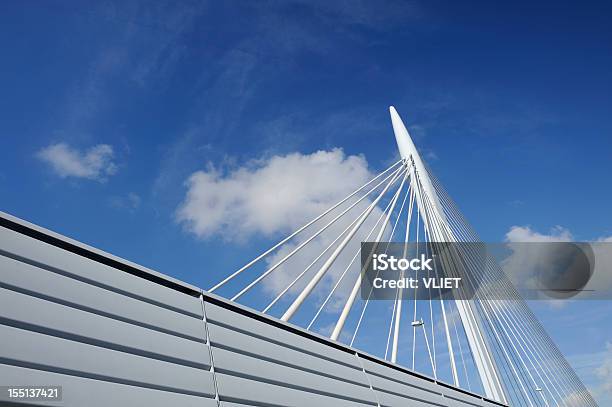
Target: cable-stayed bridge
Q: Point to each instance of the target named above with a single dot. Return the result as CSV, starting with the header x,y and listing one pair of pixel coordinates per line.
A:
x,y
492,343
111,332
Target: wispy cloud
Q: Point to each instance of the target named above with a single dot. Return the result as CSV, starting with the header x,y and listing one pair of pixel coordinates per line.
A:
x,y
516,203
595,369
604,371
363,13
130,202
274,42
142,44
95,163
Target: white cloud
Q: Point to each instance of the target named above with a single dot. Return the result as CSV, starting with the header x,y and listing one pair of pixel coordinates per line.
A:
x,y
278,195
268,196
526,234
96,163
526,259
129,202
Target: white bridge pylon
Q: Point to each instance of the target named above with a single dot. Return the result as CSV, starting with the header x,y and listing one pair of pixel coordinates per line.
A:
x,y
484,362
490,337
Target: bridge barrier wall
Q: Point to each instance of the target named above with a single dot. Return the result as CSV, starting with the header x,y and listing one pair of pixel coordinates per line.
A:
x,y
114,333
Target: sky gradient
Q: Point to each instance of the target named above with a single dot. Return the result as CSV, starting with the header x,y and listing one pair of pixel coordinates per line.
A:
x,y
109,109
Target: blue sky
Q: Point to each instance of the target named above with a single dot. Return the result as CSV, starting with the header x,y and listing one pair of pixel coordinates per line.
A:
x,y
509,104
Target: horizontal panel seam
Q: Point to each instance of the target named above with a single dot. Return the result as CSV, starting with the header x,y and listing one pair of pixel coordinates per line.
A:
x,y
100,343
95,376
252,315
406,396
271,340
95,283
287,364
262,379
100,258
460,400
402,382
238,400
97,312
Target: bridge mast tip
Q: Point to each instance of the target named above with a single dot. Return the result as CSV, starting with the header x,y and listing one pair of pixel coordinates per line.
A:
x,y
404,142
392,111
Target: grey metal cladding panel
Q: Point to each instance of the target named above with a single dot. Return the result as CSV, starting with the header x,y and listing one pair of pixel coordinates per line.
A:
x,y
463,400
397,383
87,327
45,254
79,294
81,392
451,402
394,400
32,349
264,349
392,393
234,320
378,369
252,392
257,369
